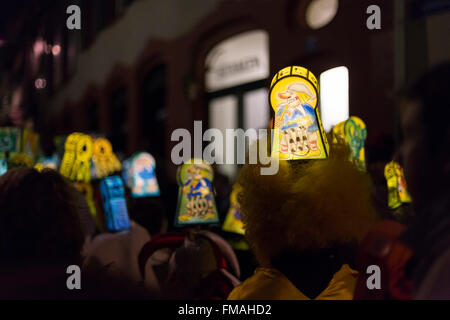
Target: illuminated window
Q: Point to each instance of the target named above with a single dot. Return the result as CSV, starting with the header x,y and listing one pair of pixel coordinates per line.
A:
x,y
223,114
334,101
256,110
319,13
236,72
240,59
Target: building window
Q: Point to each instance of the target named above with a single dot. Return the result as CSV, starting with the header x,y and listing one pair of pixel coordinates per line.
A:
x,y
223,114
256,109
334,100
236,72
240,59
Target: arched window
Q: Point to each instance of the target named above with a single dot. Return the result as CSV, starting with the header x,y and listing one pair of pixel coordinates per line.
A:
x,y
236,72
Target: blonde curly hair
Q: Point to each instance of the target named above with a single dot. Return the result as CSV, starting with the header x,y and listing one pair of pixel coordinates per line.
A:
x,y
307,205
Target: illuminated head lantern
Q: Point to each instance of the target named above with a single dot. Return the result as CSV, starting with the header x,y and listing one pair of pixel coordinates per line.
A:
x,y
76,162
3,166
143,176
352,132
20,160
9,146
298,129
233,222
10,138
114,204
196,204
30,143
104,160
397,193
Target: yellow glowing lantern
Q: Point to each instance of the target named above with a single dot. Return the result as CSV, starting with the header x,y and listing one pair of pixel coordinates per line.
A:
x,y
397,192
30,143
352,132
196,204
233,222
20,160
338,133
298,128
76,162
104,159
39,167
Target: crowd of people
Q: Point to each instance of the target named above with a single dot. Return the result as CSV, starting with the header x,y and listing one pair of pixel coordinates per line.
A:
x,y
313,228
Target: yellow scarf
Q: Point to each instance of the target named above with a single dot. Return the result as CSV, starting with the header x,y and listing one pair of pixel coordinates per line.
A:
x,y
271,284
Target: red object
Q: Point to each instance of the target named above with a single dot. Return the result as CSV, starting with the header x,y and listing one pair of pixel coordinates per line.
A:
x,y
382,247
284,96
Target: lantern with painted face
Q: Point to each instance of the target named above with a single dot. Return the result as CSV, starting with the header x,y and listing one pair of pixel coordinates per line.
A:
x,y
10,138
196,204
353,133
298,129
142,176
9,146
104,160
30,143
76,161
397,192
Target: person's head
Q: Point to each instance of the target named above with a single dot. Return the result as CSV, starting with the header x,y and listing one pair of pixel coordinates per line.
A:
x,y
306,206
39,222
426,135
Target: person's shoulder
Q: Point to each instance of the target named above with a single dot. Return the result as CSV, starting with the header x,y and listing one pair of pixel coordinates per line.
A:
x,y
249,287
266,284
341,286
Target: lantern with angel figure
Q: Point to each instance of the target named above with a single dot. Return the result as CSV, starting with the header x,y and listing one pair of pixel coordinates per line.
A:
x,y
298,129
196,204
